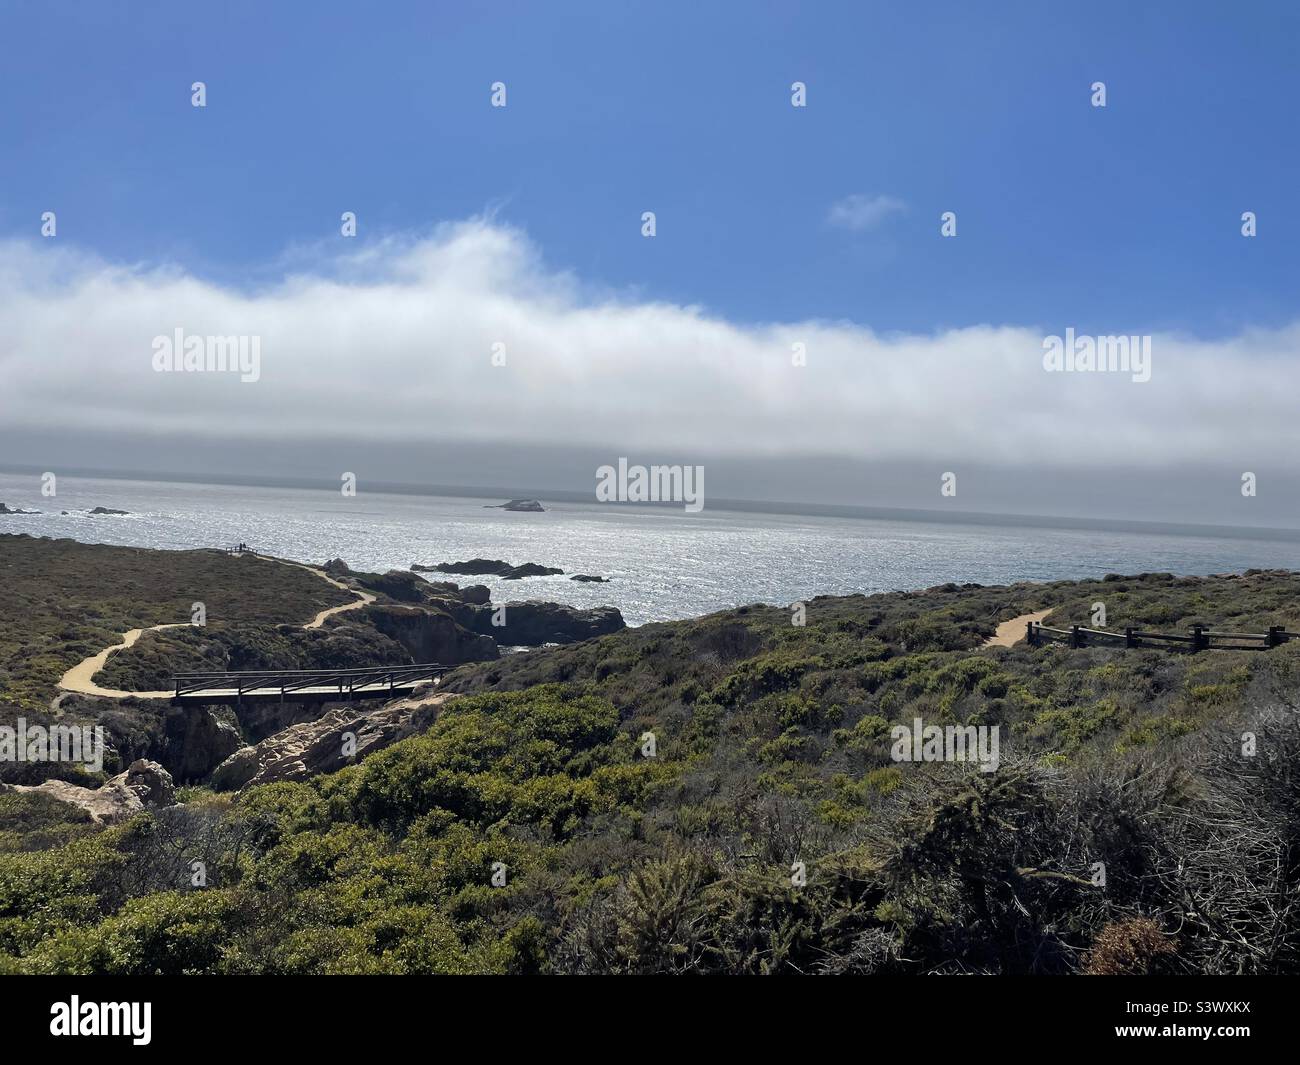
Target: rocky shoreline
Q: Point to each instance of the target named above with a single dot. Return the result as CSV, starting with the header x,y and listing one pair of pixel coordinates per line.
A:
x,y
5,509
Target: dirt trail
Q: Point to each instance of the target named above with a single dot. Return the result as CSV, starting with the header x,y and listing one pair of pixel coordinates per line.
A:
x,y
1012,632
365,597
79,678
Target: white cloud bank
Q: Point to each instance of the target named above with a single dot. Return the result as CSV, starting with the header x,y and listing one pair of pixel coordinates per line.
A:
x,y
395,341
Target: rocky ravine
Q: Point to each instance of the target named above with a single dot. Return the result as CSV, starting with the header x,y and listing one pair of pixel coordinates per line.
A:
x,y
433,621
312,747
341,737
396,616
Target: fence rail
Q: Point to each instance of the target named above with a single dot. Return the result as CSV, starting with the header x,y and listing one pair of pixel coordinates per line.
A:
x,y
1198,638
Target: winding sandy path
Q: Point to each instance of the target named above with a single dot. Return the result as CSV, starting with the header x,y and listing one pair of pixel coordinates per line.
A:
x,y
365,597
1012,632
79,678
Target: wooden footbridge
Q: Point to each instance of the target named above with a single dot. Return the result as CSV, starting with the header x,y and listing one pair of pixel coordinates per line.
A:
x,y
303,685
1198,638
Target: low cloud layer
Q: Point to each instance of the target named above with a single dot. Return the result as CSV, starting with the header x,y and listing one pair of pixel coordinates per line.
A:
x,y
394,341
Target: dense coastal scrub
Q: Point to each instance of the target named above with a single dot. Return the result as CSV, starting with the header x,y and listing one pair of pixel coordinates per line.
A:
x,y
717,795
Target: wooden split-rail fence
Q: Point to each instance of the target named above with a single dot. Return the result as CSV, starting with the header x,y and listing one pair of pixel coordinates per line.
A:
x,y
1198,638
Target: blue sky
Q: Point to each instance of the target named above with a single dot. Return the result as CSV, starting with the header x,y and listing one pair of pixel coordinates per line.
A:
x,y
1117,220
520,227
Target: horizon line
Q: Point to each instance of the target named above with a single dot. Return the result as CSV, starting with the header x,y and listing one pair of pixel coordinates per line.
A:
x,y
956,516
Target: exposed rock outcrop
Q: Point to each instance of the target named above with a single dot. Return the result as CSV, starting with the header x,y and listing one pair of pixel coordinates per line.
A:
x,y
529,506
432,636
531,569
5,510
587,578
107,510
475,567
144,785
495,567
399,584
339,738
337,568
447,596
533,623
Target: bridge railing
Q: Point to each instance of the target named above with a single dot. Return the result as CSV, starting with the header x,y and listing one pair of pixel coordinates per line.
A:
x,y
289,680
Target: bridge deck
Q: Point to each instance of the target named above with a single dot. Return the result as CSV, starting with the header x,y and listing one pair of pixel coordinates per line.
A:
x,y
309,686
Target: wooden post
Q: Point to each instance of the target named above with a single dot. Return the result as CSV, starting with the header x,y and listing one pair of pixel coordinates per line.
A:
x,y
1129,639
1200,642
1029,634
1076,637
1275,638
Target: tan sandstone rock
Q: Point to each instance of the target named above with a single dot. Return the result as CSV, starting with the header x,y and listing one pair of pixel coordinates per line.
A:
x,y
144,785
313,747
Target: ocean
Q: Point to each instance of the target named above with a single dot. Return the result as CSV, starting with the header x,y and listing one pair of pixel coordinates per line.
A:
x,y
662,563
